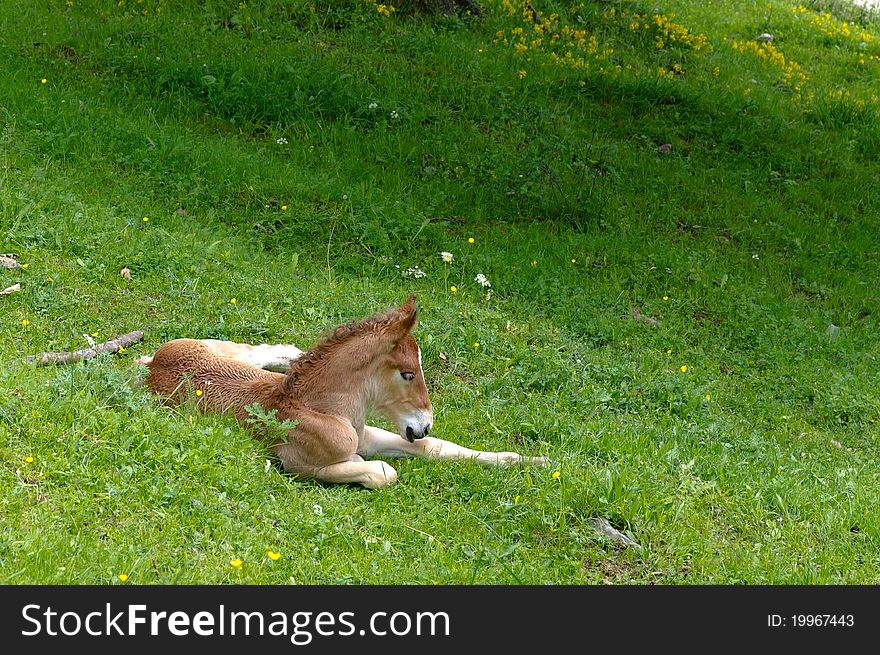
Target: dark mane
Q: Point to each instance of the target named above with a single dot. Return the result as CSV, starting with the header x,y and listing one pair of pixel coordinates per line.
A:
x,y
331,340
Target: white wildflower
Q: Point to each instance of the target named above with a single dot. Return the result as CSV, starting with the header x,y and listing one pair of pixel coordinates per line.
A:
x,y
281,141
482,280
373,105
446,257
394,115
754,255
317,509
414,272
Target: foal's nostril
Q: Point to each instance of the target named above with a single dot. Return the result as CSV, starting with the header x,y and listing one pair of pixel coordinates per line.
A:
x,y
410,434
427,429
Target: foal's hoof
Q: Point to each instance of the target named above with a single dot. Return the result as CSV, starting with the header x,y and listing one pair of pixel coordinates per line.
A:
x,y
380,475
506,459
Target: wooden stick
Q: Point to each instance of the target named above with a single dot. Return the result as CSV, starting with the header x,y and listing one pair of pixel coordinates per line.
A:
x,y
108,346
535,15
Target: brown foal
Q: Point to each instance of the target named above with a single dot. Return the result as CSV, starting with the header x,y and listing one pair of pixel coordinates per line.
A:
x,y
326,390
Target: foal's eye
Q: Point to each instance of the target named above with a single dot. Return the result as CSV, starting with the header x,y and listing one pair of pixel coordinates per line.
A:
x,y
406,375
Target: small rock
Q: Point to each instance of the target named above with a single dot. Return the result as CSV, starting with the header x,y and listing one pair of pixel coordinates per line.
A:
x,y
765,37
665,149
644,318
9,260
125,272
603,527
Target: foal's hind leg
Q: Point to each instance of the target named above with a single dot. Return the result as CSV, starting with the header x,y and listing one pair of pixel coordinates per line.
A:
x,y
377,441
267,356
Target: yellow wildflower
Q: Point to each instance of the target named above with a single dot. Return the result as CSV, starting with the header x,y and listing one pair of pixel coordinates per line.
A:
x,y
453,288
236,563
29,459
556,475
123,577
272,555
385,10
684,368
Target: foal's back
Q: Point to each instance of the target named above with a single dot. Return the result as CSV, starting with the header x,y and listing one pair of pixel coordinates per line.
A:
x,y
188,369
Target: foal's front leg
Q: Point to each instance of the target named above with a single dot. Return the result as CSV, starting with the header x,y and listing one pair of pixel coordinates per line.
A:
x,y
377,441
372,475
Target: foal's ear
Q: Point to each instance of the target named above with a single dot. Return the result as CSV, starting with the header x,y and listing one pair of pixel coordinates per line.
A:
x,y
407,316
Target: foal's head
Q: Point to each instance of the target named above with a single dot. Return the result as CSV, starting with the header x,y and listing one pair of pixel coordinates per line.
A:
x,y
399,390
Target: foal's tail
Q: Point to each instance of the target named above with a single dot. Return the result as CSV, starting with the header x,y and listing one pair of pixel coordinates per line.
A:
x,y
146,360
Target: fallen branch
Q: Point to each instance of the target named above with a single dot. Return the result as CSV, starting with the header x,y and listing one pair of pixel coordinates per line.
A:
x,y
12,289
77,355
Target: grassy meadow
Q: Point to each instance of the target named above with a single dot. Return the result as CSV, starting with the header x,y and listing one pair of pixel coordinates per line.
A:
x,y
676,204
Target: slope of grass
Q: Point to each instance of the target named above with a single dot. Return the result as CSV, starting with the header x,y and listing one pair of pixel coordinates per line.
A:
x,y
302,158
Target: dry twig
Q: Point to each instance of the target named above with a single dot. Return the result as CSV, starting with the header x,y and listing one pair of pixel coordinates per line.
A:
x,y
535,15
77,355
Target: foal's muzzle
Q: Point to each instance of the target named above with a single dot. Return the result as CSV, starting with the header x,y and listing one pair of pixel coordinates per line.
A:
x,y
412,435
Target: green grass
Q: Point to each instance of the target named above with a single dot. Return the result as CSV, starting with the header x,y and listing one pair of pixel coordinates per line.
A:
x,y
302,161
